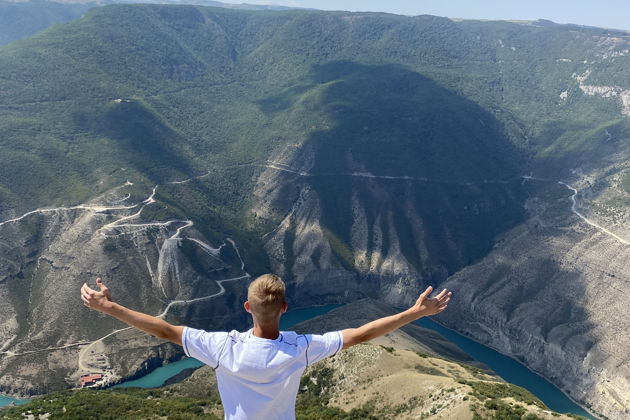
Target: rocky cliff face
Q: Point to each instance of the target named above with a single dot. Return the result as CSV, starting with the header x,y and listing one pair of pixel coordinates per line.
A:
x,y
552,294
397,238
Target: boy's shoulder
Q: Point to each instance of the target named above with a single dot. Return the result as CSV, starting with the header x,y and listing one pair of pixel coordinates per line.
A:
x,y
291,337
288,337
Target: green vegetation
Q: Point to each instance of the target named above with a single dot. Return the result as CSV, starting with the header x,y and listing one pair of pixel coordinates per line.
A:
x,y
475,371
447,115
314,396
130,404
483,390
195,398
625,182
505,411
501,410
428,370
94,103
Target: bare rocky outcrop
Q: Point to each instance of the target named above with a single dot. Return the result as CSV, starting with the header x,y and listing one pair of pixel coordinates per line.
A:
x,y
301,246
547,306
615,92
376,242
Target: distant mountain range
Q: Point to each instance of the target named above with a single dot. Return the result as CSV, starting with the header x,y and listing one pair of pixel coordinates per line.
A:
x,y
21,19
178,150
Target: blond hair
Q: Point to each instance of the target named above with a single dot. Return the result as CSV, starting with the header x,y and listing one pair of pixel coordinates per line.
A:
x,y
266,296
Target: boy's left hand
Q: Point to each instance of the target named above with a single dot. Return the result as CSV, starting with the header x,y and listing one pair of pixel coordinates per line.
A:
x,y
426,306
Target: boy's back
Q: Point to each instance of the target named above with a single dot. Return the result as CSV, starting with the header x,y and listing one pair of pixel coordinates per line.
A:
x,y
259,375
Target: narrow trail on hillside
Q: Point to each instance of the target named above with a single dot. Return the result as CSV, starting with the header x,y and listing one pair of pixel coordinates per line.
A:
x,y
167,259
167,264
281,167
575,211
588,221
13,354
91,208
85,352
285,168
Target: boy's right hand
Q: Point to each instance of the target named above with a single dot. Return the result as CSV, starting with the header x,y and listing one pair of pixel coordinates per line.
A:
x,y
98,300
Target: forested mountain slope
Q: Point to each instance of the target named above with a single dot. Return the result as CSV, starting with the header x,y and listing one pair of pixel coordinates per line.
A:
x,y
20,19
175,150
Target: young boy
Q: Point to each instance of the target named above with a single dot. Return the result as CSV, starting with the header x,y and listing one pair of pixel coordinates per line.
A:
x,y
258,371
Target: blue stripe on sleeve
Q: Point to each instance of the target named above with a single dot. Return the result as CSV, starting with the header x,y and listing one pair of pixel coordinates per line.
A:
x,y
307,346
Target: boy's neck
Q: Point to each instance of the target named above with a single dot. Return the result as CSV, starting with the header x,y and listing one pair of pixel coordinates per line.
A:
x,y
270,331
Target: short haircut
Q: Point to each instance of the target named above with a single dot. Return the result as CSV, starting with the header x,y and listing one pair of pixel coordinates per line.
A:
x,y
266,296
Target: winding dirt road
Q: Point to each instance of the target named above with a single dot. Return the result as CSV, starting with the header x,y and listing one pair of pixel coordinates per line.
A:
x,y
121,226
588,221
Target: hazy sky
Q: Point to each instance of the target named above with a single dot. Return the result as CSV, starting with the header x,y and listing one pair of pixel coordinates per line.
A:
x,y
604,13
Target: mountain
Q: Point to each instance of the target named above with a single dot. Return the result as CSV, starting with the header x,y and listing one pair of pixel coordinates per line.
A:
x,y
177,150
19,20
350,385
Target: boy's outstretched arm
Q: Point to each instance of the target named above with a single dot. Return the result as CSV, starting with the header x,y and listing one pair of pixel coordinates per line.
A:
x,y
424,306
102,302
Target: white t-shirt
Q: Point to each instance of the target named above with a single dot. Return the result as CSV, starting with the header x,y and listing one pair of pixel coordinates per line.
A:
x,y
259,378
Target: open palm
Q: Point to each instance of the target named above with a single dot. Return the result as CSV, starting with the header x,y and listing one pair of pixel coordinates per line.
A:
x,y
427,306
